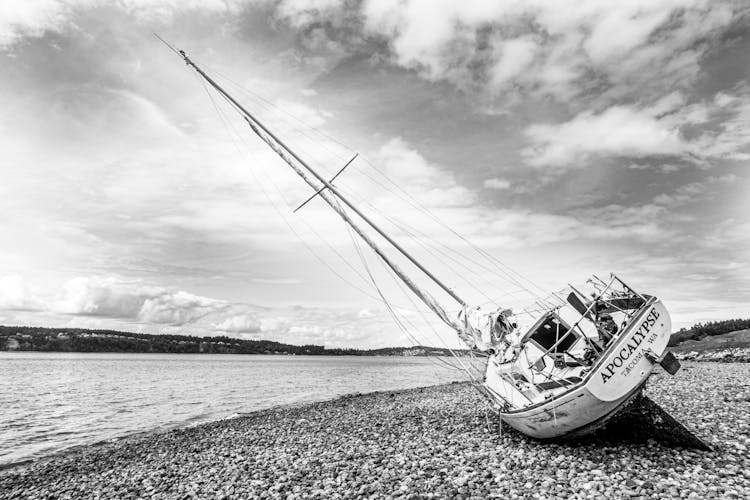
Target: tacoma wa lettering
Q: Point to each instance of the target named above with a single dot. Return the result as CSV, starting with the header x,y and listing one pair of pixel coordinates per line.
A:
x,y
631,346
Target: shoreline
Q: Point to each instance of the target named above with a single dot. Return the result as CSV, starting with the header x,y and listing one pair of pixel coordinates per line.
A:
x,y
5,467
434,441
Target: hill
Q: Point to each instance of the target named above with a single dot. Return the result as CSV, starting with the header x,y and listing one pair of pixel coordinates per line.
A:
x,y
31,338
702,330
736,339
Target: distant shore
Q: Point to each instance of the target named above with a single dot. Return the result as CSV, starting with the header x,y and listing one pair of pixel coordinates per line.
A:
x,y
40,339
420,443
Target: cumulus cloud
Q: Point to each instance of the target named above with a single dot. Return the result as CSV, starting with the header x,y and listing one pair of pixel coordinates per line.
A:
x,y
618,131
178,308
115,298
433,185
514,56
513,228
541,47
109,298
244,323
161,196
101,296
638,132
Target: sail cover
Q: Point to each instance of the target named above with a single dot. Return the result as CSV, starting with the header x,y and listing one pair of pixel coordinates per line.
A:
x,y
485,331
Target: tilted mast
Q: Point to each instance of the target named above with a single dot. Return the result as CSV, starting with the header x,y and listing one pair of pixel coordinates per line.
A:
x,y
332,196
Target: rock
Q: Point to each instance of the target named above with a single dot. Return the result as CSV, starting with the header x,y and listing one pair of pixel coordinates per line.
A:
x,y
412,445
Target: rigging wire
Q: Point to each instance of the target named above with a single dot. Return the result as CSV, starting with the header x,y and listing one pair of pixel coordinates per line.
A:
x,y
387,304
234,134
395,315
421,313
511,274
413,236
282,110
436,247
231,103
435,244
504,270
228,125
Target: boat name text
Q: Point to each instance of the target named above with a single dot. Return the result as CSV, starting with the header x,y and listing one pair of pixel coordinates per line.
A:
x,y
631,346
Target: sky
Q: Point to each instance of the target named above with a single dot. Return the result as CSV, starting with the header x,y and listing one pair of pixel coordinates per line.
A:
x,y
563,139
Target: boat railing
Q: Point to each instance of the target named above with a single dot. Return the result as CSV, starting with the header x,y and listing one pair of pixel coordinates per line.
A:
x,y
584,315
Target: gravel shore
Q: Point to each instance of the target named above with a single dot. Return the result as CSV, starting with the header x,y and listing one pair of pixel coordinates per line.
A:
x,y
728,355
435,442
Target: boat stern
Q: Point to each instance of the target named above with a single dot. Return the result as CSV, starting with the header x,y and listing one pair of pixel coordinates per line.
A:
x,y
633,355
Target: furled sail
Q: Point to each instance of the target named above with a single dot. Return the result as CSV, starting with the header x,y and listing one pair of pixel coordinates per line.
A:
x,y
485,331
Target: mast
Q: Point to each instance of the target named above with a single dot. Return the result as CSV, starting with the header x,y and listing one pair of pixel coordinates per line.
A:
x,y
332,195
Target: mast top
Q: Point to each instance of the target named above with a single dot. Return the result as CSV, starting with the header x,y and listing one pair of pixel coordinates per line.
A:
x,y
326,184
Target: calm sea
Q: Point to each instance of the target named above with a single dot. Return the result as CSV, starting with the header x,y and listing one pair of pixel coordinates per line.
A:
x,y
52,401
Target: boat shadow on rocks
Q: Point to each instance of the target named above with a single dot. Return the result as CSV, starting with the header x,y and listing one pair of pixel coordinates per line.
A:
x,y
642,421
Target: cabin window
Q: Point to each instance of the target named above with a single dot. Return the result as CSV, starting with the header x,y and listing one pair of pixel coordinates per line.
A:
x,y
550,332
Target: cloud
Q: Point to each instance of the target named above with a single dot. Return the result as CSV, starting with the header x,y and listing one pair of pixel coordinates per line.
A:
x,y
506,228
15,295
365,313
693,192
178,308
303,12
18,19
729,138
496,183
131,174
244,323
539,47
274,324
101,296
114,303
681,195
619,131
433,185
404,163
32,18
115,298
696,133
514,56
302,114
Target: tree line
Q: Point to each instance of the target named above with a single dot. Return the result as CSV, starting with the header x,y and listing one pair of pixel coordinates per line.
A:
x,y
700,331
31,338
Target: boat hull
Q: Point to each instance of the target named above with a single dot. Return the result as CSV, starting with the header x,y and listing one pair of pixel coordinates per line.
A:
x,y
577,414
618,375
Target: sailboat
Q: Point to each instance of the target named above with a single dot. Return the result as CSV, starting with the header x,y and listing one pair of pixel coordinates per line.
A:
x,y
587,355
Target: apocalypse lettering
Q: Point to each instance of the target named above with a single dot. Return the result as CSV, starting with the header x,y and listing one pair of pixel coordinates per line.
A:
x,y
631,346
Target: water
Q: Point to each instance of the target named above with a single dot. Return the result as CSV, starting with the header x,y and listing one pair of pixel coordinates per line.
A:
x,y
53,401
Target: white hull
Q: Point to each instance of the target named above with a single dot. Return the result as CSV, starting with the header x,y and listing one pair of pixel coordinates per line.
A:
x,y
618,375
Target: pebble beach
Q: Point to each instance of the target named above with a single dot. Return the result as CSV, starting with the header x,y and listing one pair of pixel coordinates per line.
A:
x,y
433,442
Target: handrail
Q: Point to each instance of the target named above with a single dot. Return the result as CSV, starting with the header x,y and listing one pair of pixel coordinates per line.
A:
x,y
588,309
